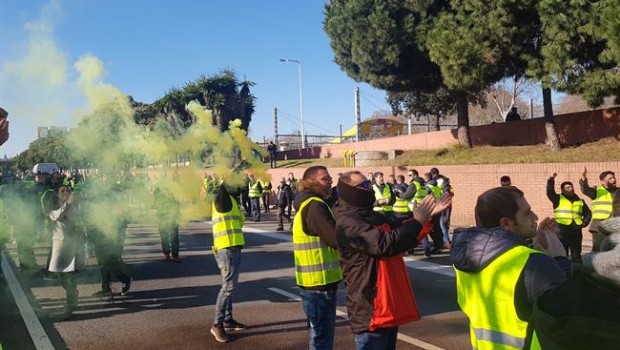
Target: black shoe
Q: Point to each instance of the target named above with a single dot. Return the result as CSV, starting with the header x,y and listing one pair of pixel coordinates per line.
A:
x,y
219,333
126,287
280,228
67,313
233,325
103,293
50,276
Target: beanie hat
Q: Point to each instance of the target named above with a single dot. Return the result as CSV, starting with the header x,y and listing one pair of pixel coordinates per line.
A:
x,y
606,263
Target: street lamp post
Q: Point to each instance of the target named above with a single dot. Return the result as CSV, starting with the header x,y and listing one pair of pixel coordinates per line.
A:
x,y
301,104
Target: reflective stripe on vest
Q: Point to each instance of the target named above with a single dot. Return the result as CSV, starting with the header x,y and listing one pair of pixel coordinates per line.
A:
x,y
487,298
381,195
401,206
566,212
316,264
227,227
419,195
602,205
254,192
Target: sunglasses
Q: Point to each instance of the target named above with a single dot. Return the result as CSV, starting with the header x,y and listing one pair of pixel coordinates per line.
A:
x,y
365,185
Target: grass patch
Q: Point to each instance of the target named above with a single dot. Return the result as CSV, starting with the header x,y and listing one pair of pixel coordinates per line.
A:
x,y
606,150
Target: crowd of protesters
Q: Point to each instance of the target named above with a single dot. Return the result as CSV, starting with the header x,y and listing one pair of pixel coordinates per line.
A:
x,y
357,231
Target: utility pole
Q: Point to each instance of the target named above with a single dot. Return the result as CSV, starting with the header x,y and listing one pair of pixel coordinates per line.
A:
x,y
358,117
275,126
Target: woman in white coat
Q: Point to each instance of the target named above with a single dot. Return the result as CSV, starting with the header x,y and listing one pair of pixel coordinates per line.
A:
x,y
67,255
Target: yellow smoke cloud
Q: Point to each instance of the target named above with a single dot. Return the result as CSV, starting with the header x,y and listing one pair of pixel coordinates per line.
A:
x,y
115,148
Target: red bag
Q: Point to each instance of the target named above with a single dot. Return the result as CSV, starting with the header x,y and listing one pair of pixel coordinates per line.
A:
x,y
394,304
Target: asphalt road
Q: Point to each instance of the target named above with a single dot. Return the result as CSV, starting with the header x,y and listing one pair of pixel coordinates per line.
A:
x,y
170,306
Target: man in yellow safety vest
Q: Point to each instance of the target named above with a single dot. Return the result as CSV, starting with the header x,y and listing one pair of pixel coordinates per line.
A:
x,y
317,265
605,203
571,214
498,276
255,191
228,240
384,197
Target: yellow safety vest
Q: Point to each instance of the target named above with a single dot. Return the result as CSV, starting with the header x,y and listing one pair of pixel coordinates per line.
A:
x,y
602,205
436,190
567,211
316,264
401,206
487,298
420,193
254,192
381,195
227,227
265,185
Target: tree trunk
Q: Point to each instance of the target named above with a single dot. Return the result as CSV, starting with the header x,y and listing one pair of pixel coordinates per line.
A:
x,y
463,119
552,134
437,126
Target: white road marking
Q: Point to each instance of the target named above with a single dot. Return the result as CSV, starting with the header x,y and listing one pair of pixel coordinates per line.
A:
x,y
37,333
427,266
430,267
405,338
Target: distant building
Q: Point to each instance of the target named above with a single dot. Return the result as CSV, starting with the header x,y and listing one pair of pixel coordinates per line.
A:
x,y
45,131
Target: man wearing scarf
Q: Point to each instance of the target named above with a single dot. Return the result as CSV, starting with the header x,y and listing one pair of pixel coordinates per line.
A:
x,y
371,246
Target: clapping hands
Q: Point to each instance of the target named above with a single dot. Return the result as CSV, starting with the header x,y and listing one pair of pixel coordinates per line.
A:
x,y
431,206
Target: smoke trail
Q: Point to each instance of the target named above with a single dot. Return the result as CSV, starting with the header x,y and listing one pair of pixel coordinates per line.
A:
x,y
114,147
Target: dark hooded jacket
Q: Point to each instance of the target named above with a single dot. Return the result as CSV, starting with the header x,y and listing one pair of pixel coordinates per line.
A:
x,y
360,244
317,220
475,248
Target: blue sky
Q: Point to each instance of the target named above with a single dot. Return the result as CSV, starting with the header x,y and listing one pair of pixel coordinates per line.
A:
x,y
148,47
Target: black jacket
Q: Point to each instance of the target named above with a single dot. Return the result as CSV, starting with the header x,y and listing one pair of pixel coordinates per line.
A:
x,y
360,245
581,314
475,248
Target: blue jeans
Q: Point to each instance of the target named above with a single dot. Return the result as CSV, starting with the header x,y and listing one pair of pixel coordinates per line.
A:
x,y
320,309
380,339
445,224
255,206
228,260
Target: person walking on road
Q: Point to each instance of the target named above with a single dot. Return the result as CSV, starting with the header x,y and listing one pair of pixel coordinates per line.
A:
x,y
273,154
255,192
108,240
284,200
605,202
227,243
371,246
168,211
317,266
498,277
571,214
67,255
